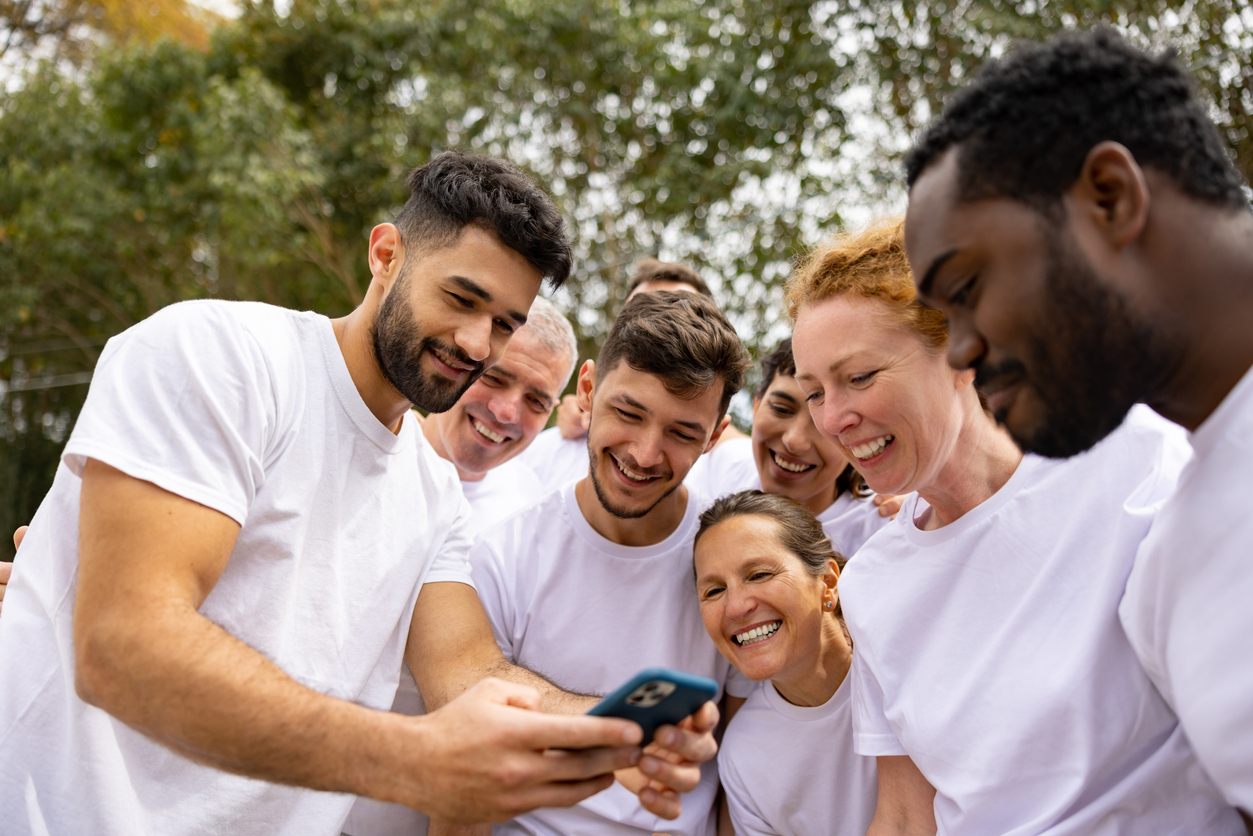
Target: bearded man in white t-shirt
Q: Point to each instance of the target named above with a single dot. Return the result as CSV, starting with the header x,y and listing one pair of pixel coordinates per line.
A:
x,y
248,535
493,421
1077,217
595,582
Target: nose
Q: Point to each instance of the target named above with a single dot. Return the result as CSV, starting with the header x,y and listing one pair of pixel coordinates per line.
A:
x,y
647,450
833,416
505,407
740,604
475,338
965,347
795,437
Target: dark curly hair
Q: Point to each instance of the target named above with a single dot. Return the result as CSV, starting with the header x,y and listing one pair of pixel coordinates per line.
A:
x,y
1025,125
681,338
455,190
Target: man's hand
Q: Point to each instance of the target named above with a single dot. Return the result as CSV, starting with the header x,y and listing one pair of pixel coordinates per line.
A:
x,y
490,755
671,763
6,569
571,419
889,505
19,536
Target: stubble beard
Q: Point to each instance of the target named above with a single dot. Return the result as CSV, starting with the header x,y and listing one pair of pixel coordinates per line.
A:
x,y
1101,361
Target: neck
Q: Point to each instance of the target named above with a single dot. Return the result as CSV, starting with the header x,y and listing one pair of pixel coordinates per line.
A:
x,y
1202,287
820,681
649,530
356,342
979,463
823,500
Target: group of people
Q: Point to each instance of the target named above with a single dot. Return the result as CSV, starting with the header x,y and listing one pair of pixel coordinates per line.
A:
x,y
976,570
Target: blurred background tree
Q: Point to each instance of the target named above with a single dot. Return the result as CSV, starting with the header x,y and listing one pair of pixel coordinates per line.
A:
x,y
152,152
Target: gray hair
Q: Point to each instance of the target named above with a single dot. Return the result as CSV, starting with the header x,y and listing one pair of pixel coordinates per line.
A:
x,y
553,330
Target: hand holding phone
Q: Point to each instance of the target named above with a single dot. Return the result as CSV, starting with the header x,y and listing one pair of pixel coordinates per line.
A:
x,y
657,697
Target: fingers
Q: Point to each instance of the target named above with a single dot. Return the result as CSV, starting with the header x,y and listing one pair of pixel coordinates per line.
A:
x,y
5,570
19,535
566,765
577,732
571,419
664,803
509,693
677,777
889,505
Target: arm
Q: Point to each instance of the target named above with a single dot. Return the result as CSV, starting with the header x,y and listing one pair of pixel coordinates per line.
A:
x,y
147,560
451,647
906,804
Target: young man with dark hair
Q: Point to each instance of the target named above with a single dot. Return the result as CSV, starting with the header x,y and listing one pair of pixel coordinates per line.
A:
x,y
594,583
247,538
1078,219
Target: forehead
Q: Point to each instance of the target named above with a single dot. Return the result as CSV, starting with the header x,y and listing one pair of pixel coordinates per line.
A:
x,y
665,284
480,258
625,382
929,217
841,329
737,540
533,363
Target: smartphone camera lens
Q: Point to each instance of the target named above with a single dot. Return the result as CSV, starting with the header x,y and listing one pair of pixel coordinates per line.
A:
x,y
650,693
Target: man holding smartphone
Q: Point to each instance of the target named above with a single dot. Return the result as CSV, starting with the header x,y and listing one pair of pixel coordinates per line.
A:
x,y
246,537
595,583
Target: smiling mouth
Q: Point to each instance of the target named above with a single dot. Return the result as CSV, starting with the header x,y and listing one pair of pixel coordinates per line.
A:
x,y
791,467
757,634
872,448
485,431
637,478
456,367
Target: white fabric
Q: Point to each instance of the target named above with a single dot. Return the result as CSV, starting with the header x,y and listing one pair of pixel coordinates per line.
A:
x,y
556,460
503,491
990,652
730,468
791,771
250,410
588,614
1188,609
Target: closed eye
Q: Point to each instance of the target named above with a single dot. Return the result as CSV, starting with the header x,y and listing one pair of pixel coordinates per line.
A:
x,y
862,379
962,294
711,592
759,576
462,301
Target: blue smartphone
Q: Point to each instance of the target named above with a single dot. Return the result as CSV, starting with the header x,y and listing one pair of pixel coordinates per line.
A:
x,y
657,697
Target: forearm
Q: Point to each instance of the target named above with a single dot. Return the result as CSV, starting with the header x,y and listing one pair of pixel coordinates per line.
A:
x,y
178,678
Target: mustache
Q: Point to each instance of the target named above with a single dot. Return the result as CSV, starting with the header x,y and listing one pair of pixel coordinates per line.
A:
x,y
992,377
458,355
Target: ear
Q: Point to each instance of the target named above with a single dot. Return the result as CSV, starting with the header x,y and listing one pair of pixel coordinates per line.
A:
x,y
1111,194
387,254
717,433
586,386
831,578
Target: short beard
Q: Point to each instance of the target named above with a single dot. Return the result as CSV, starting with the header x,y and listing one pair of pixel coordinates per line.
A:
x,y
1099,362
603,496
399,348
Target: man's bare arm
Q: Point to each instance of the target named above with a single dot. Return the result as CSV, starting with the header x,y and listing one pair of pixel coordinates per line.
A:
x,y
906,805
451,646
147,560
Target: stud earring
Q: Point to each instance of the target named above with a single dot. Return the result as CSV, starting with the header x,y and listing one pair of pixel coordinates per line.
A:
x,y
830,604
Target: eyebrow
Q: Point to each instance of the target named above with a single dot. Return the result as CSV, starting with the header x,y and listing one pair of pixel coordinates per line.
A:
x,y
476,289
695,426
924,286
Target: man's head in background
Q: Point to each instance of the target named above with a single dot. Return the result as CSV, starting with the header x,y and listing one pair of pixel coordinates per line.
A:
x,y
651,274
503,411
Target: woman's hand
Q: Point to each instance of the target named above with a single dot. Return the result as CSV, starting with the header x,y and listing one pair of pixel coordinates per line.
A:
x,y
671,763
889,505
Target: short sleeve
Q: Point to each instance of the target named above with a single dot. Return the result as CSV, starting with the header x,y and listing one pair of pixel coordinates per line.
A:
x,y
452,561
744,813
494,593
872,735
183,400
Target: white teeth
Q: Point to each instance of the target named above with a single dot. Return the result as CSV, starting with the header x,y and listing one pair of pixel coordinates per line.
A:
x,y
757,634
630,474
871,448
788,466
482,428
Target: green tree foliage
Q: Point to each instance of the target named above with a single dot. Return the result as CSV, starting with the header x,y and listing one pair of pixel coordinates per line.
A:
x,y
727,134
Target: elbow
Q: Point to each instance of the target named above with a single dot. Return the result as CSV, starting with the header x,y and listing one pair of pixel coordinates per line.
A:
x,y
97,670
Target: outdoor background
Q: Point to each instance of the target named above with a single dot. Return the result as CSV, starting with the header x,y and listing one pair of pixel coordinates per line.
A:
x,y
153,150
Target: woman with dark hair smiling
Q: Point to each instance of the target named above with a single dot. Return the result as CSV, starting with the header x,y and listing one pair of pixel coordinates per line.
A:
x,y
766,581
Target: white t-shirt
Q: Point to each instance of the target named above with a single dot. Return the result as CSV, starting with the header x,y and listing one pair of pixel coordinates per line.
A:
x,y
503,491
588,614
249,410
730,468
556,460
790,770
1188,609
990,652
